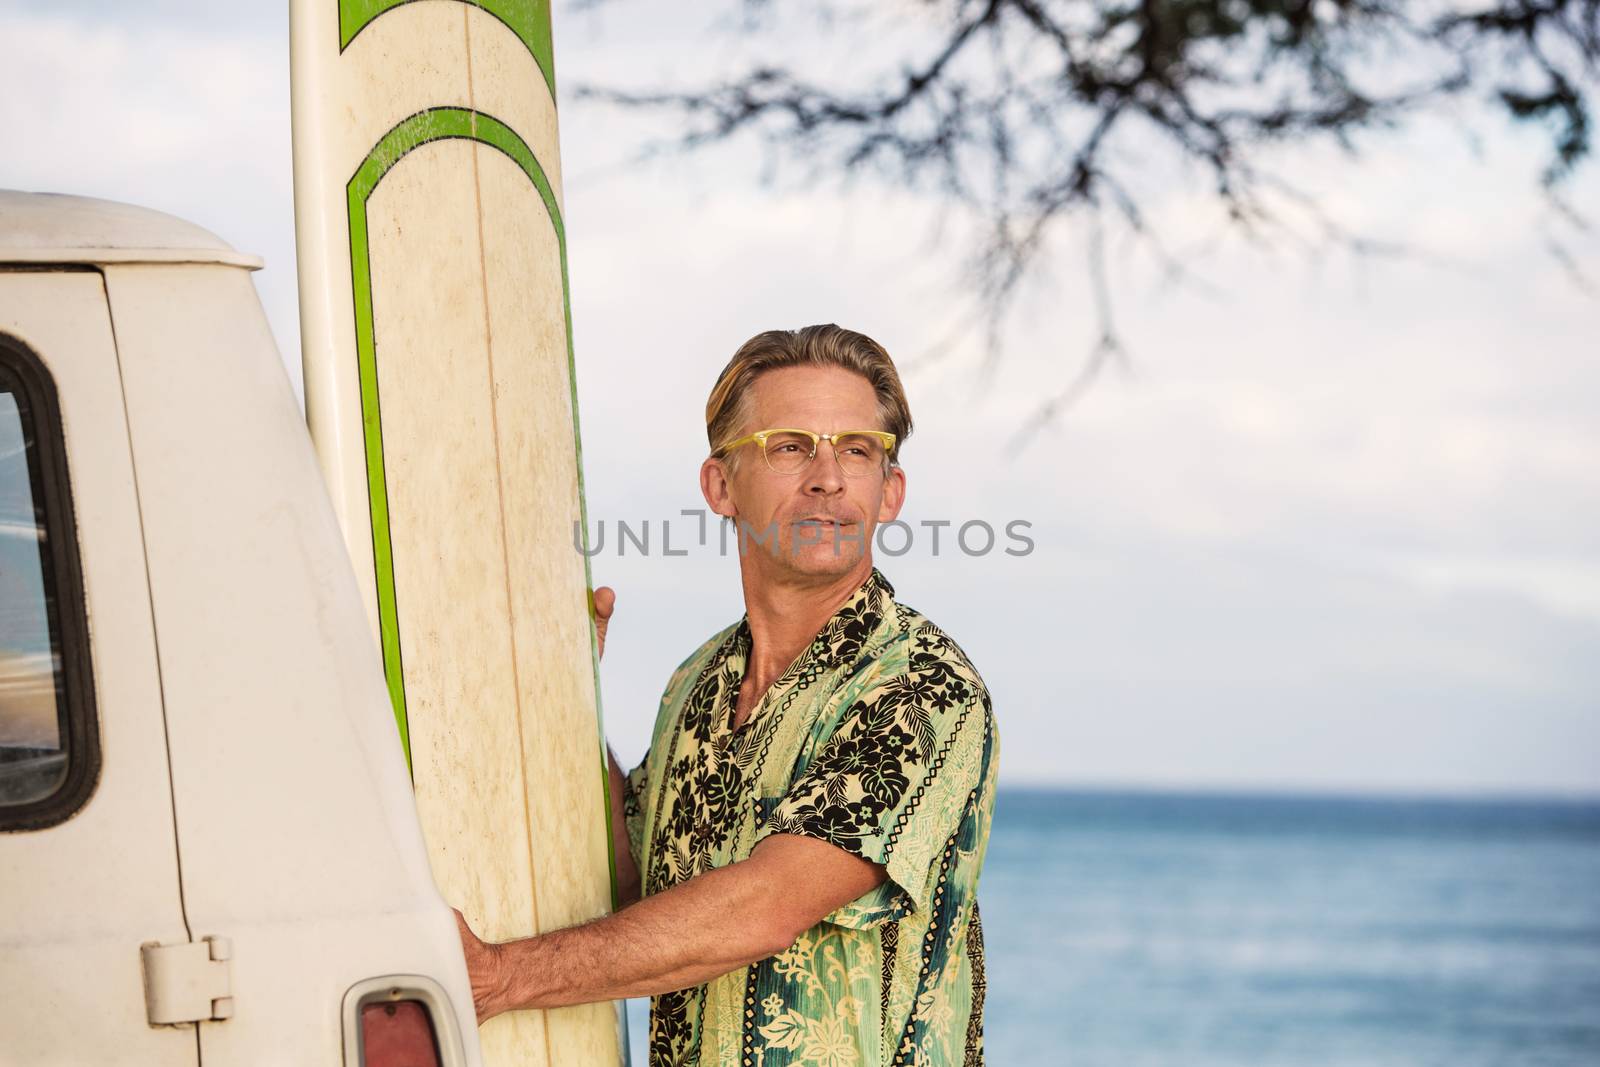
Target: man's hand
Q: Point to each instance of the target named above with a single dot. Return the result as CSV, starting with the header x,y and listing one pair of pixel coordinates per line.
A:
x,y
605,602
483,969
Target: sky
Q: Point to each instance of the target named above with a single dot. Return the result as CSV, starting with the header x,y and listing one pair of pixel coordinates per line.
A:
x,y
1337,528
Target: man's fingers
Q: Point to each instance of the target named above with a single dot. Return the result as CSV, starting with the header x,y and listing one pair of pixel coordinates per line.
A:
x,y
480,967
605,602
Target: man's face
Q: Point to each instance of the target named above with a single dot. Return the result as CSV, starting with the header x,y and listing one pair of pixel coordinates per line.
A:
x,y
776,506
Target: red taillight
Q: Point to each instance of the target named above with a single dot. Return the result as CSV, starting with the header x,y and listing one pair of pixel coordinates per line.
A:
x,y
397,1033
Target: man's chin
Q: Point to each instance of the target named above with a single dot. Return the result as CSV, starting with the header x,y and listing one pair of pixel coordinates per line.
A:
x,y
829,557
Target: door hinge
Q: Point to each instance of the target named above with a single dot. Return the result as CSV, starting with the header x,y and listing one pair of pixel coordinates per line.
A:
x,y
188,983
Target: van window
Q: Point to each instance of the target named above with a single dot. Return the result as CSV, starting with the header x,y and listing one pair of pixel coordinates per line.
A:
x,y
48,754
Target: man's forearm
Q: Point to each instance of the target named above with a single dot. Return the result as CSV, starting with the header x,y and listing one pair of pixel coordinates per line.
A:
x,y
687,935
671,940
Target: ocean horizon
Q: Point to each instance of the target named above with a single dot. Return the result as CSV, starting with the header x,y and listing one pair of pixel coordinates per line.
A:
x,y
1223,928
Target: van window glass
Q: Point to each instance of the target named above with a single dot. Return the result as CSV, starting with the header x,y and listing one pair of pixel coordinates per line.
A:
x,y
32,720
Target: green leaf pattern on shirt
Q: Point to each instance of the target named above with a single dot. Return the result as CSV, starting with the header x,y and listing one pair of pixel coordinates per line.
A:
x,y
879,739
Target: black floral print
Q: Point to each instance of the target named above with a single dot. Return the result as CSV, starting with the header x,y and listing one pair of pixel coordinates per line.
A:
x,y
879,739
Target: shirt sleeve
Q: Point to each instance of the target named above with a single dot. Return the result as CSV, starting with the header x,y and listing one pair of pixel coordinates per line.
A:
x,y
634,785
907,763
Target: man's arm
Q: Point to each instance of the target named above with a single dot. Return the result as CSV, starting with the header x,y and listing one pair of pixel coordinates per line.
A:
x,y
628,885
684,936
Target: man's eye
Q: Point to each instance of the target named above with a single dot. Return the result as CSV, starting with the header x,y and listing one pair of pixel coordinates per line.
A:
x,y
786,448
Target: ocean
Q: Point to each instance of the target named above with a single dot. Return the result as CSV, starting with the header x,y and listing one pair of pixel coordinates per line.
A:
x,y
1176,930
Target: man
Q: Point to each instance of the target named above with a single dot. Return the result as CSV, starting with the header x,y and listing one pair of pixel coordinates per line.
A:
x,y
804,837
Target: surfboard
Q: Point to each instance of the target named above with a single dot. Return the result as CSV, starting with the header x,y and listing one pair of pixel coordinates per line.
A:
x,y
439,386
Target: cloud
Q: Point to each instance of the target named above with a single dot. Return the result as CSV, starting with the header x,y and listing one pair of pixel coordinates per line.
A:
x,y
1339,526
1337,529
179,111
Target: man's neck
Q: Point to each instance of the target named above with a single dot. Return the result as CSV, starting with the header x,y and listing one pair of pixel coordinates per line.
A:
x,y
786,616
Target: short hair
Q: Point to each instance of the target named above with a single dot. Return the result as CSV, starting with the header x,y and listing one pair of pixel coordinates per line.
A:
x,y
824,345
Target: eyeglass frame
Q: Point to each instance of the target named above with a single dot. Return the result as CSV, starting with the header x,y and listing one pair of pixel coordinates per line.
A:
x,y
884,437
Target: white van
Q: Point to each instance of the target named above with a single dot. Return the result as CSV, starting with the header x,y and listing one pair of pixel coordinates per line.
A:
x,y
209,850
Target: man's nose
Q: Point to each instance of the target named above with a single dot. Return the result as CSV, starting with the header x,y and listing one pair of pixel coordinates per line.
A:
x,y
823,474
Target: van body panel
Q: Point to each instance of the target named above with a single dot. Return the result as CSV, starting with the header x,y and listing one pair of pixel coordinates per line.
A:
x,y
295,816
78,898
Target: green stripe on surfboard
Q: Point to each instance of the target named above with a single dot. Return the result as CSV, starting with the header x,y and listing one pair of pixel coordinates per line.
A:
x,y
436,124
528,19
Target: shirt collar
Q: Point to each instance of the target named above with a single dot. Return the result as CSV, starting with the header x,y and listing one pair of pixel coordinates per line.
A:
x,y
845,634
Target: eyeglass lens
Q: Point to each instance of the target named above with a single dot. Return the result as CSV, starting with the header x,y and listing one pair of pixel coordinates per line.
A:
x,y
788,453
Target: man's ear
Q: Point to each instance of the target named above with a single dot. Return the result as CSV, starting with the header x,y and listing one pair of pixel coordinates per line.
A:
x,y
717,488
894,494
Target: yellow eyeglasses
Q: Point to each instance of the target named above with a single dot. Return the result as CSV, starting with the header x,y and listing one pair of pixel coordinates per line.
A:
x,y
860,452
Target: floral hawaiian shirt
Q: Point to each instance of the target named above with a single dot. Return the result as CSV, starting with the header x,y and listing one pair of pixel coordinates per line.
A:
x,y
879,739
